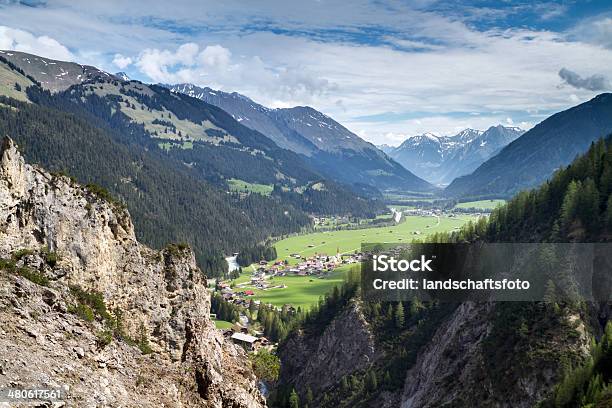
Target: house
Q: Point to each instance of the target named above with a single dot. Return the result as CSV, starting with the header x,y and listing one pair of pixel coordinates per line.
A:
x,y
245,340
249,293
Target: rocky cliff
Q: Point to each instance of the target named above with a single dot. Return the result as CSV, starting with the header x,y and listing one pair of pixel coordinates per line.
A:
x,y
79,293
473,356
318,361
454,369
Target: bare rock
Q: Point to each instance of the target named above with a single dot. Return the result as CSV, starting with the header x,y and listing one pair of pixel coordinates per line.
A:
x,y
159,294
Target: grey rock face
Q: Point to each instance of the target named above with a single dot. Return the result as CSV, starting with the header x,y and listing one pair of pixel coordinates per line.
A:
x,y
161,293
346,345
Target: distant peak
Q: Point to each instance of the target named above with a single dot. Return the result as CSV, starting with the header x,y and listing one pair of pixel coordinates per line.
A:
x,y
426,135
512,128
122,76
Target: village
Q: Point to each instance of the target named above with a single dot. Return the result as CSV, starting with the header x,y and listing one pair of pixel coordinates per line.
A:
x,y
241,295
318,265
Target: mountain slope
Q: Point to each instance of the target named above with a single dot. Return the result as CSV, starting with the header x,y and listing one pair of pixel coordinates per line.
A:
x,y
440,159
324,143
169,202
421,154
79,293
51,74
202,136
533,157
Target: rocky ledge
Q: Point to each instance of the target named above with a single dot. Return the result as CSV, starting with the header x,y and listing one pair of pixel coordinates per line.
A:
x,y
85,307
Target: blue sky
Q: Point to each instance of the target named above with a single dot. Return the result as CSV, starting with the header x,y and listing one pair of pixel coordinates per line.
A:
x,y
385,69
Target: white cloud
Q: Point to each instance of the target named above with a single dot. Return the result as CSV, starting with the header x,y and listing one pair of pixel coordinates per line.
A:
x,y
122,62
437,69
215,55
278,84
20,40
597,31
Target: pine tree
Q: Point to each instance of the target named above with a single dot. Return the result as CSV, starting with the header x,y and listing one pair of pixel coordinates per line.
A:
x,y
570,200
344,384
371,381
389,315
608,215
399,315
294,401
252,308
309,397
415,306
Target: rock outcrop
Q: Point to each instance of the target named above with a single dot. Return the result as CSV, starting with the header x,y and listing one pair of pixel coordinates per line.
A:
x,y
318,361
75,237
451,369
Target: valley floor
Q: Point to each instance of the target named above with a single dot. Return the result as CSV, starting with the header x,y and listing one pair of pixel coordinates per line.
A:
x,y
305,291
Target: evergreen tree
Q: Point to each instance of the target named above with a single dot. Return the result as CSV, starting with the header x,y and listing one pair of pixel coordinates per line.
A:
x,y
415,306
309,397
371,381
570,200
294,401
399,315
344,384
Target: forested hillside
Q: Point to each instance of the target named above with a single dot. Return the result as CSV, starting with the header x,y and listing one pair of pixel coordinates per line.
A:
x,y
326,197
324,144
574,205
166,199
187,130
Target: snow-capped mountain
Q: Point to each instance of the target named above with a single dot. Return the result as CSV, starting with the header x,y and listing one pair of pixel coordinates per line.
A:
x,y
331,148
122,76
441,159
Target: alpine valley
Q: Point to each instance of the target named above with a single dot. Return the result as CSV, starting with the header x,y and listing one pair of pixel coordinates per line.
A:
x,y
170,245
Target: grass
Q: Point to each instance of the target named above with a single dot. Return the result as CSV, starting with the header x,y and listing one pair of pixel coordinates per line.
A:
x,y
304,291
188,130
181,145
222,324
241,186
482,204
300,291
348,241
8,78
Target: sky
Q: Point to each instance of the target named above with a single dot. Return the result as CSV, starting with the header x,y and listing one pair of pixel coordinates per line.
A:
x,y
387,70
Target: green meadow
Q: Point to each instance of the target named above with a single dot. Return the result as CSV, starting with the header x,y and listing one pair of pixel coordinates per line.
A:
x,y
304,291
222,324
241,186
346,241
482,204
300,291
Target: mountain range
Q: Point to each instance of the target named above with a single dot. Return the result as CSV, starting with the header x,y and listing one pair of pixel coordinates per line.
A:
x,y
441,159
322,142
532,158
168,157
